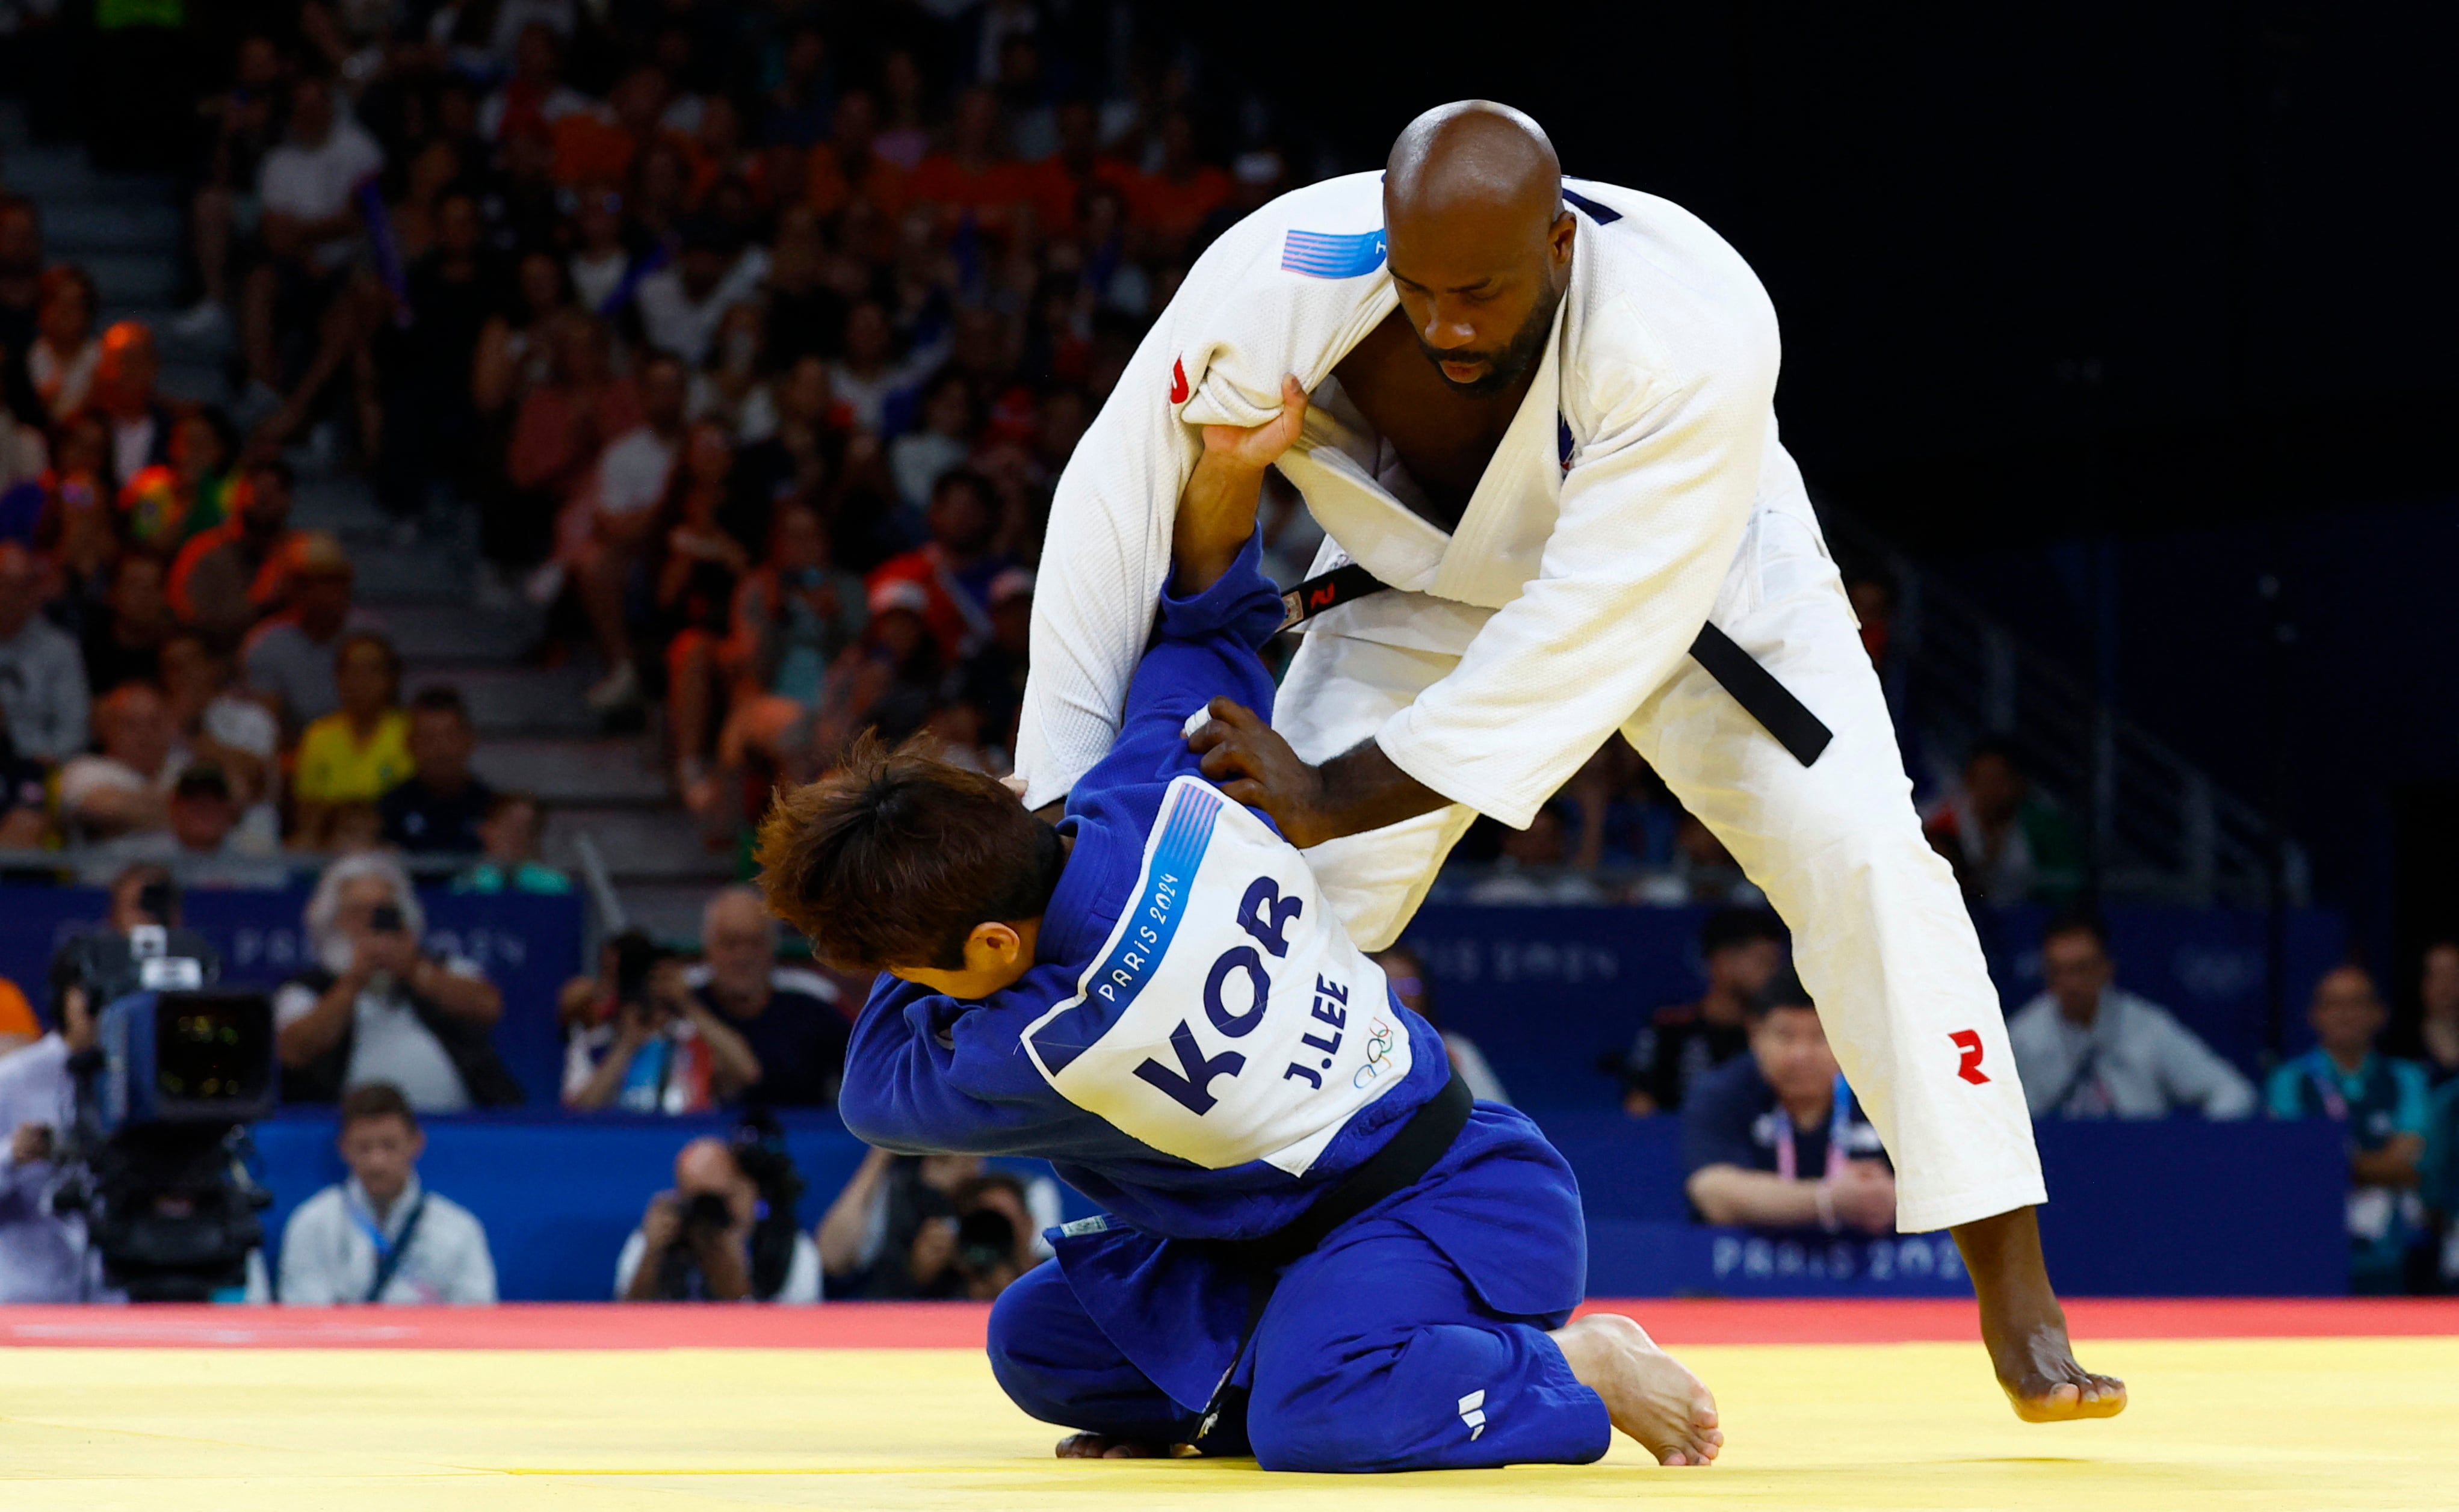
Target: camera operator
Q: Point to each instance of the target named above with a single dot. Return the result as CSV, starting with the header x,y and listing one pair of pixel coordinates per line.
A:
x,y
662,1050
377,1008
43,1256
714,1238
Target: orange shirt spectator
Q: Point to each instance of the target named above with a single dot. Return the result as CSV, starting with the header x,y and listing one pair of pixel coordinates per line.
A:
x,y
1053,188
971,177
986,189
18,1025
881,183
1174,208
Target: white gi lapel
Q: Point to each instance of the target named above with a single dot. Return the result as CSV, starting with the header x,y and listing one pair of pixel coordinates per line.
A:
x,y
1501,541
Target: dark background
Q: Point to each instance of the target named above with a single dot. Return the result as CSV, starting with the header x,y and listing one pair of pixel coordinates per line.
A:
x,y
2103,312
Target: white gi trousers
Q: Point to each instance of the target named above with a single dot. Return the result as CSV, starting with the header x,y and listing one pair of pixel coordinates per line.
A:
x,y
1880,932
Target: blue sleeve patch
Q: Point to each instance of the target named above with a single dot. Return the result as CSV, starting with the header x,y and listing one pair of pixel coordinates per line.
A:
x,y
1319,254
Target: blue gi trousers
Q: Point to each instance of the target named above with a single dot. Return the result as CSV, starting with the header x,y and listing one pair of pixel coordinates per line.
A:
x,y
1374,1353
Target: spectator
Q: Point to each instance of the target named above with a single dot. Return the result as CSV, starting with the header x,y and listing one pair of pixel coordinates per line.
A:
x,y
791,619
18,1025
235,733
559,435
712,1239
201,833
25,795
661,1050
848,169
376,1007
441,805
25,453
1772,1139
228,577
893,1234
919,458
955,567
2007,845
1412,985
361,751
2437,1028
309,225
890,681
2088,1049
509,838
869,374
992,677
246,126
124,394
682,302
43,1255
1741,951
788,1014
616,520
382,1236
292,658
1537,866
42,676
123,643
2384,1103
61,359
125,788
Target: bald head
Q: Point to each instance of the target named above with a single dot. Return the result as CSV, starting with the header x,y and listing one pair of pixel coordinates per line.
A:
x,y
1474,157
1479,243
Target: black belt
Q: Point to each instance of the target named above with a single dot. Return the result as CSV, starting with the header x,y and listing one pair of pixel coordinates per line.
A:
x,y
1404,1159
1753,687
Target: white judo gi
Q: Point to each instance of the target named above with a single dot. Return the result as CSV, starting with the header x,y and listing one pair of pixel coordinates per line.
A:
x,y
1639,491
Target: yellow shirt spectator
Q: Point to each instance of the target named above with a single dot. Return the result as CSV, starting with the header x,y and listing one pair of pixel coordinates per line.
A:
x,y
334,768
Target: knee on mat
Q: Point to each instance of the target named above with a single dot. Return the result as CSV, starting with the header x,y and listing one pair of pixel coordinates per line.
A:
x,y
1014,1364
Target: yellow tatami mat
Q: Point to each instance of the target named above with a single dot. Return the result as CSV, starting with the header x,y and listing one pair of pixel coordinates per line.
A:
x,y
2301,1423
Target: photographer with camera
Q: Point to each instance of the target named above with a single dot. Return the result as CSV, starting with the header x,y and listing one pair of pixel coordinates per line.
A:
x,y
43,1255
378,1008
726,1233
381,1236
660,1049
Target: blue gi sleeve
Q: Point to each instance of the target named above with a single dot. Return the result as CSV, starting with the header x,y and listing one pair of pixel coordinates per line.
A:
x,y
1205,646
926,1075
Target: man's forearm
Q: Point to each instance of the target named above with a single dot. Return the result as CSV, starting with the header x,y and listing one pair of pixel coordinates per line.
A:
x,y
1365,789
1216,514
1729,1194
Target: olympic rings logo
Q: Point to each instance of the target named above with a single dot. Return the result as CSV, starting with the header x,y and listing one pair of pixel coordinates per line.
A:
x,y
1379,1053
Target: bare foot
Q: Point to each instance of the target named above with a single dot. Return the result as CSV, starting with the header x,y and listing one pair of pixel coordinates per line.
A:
x,y
2023,1327
1093,1446
1649,1394
2036,1367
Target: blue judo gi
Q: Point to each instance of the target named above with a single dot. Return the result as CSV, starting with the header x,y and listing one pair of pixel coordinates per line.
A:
x,y
1201,1049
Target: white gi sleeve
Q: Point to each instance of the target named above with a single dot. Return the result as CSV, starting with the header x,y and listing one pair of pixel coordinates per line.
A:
x,y
1651,516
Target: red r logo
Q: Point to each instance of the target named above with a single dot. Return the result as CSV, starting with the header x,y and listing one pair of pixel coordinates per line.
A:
x,y
1968,1040
1178,389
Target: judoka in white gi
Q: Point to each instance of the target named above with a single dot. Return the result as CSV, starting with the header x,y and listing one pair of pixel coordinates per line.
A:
x,y
1541,411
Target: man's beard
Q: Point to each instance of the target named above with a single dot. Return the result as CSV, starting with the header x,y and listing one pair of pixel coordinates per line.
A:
x,y
1504,367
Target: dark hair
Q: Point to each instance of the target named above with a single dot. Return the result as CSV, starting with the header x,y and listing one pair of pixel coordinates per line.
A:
x,y
966,479
204,780
892,858
2077,921
438,697
375,1099
1784,992
1730,927
510,798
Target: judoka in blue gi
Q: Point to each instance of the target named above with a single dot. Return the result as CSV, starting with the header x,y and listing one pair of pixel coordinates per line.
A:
x,y
1315,1247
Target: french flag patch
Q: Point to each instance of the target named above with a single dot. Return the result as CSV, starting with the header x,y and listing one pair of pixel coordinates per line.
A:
x,y
1320,254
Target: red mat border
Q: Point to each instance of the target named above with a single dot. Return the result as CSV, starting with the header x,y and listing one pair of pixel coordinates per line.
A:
x,y
959,1325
